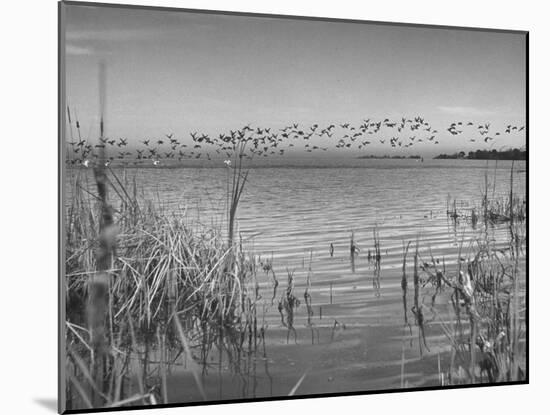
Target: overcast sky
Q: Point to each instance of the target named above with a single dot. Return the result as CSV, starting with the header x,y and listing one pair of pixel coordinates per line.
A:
x,y
181,72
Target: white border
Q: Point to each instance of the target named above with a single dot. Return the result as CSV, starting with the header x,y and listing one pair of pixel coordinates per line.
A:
x,y
29,203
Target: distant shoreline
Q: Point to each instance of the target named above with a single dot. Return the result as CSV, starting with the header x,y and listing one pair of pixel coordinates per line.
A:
x,y
415,157
513,154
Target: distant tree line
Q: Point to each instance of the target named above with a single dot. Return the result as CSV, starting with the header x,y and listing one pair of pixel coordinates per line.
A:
x,y
512,154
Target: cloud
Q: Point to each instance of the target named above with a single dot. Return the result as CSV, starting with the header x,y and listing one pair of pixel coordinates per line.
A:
x,y
75,50
108,35
459,110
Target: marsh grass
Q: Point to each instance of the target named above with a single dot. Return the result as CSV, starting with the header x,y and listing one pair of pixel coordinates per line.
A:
x,y
486,324
267,267
479,304
287,306
492,209
485,295
175,292
238,183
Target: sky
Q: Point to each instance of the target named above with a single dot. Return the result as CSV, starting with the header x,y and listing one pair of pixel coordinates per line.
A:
x,y
177,72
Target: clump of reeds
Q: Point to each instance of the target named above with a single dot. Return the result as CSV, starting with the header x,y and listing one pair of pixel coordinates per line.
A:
x,y
487,330
237,183
267,266
492,209
418,307
451,209
176,291
404,282
287,304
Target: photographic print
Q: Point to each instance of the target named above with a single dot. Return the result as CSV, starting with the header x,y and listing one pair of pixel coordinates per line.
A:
x,y
258,207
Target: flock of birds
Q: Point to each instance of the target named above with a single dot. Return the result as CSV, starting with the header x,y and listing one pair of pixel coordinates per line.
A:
x,y
264,142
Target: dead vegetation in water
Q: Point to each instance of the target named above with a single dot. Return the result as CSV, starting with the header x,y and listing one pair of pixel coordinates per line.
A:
x,y
479,305
308,303
287,306
267,267
377,258
493,208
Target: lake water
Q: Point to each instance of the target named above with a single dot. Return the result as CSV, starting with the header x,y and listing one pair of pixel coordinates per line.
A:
x,y
290,212
294,213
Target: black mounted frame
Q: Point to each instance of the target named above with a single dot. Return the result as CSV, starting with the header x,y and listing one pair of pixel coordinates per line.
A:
x,y
61,199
